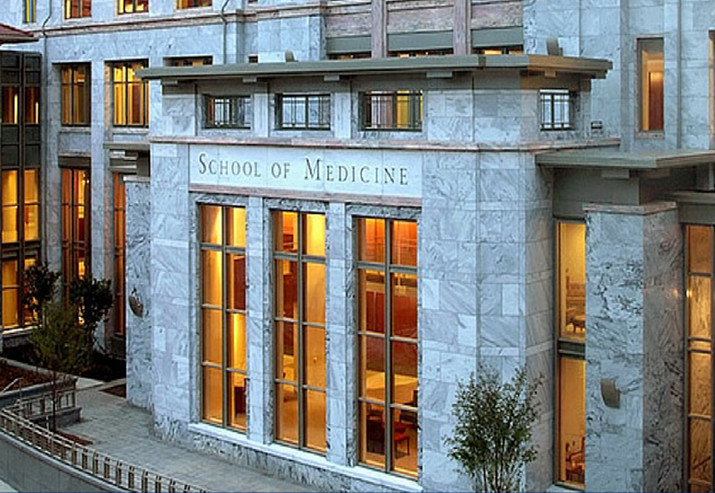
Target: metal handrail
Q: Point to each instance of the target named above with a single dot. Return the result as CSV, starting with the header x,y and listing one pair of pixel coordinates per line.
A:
x,y
14,422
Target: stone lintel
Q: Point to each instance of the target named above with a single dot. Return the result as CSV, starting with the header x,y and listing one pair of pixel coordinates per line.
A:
x,y
633,210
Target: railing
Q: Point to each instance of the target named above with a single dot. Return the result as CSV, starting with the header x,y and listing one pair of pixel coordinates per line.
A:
x,y
14,421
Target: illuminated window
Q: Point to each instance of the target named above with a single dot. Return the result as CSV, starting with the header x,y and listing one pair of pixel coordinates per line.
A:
x,y
303,111
223,315
189,4
556,109
387,333
500,50
75,94
29,11
228,112
75,9
699,347
131,95
10,105
119,252
132,6
76,224
401,110
188,61
299,242
571,364
419,53
650,57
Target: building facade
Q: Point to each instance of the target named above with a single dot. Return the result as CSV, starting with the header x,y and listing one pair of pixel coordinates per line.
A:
x,y
319,217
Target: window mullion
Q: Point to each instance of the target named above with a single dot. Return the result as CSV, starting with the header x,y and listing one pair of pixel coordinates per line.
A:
x,y
224,322
388,352
301,340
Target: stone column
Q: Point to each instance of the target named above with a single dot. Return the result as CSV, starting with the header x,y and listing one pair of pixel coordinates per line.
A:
x,y
462,33
379,28
634,270
259,322
137,285
340,385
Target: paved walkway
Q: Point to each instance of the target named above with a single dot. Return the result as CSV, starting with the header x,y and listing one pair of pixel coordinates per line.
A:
x,y
123,431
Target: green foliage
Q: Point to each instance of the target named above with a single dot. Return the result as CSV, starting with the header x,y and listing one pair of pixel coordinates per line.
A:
x,y
59,340
40,287
492,436
93,299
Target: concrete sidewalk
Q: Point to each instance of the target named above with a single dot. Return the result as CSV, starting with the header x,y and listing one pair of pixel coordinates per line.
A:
x,y
123,431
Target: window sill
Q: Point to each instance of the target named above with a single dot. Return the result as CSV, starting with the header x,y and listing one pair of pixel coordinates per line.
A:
x,y
308,459
77,129
561,488
646,134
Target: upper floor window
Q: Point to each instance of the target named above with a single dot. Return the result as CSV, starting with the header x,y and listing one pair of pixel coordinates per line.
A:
x,y
190,4
303,111
500,50
132,6
650,56
74,9
131,95
399,110
29,13
556,109
228,112
412,53
188,61
75,94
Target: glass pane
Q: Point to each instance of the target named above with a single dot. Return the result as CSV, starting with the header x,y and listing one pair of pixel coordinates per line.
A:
x,y
212,339
404,305
236,334
404,243
372,368
10,105
32,105
699,306
314,234
404,444
699,248
315,357
236,226
287,413
315,420
314,293
212,399
372,434
211,224
9,188
236,282
211,277
237,400
31,192
572,419
371,239
572,281
287,289
700,466
286,231
66,102
651,83
404,376
700,384
286,351
32,222
371,301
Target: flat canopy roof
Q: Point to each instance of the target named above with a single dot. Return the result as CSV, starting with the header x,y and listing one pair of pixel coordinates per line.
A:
x,y
437,65
595,158
9,34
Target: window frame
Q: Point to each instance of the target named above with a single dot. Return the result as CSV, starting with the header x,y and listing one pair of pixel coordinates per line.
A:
x,y
548,104
241,100
126,84
563,348
642,45
389,405
29,15
119,208
323,100
86,88
70,243
122,7
300,384
224,250
415,112
84,9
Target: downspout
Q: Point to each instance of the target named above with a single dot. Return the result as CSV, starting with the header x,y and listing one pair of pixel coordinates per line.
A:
x,y
225,27
679,110
45,127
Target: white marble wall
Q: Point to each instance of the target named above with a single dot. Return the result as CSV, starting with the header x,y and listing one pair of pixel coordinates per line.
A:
x,y
634,322
139,333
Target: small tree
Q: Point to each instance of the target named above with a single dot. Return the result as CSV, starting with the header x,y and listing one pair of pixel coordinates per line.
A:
x,y
39,288
60,343
92,298
492,436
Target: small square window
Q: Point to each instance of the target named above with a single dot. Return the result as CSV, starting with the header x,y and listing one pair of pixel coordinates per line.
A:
x,y
650,54
190,4
75,94
75,9
556,109
303,111
227,112
29,13
398,110
132,6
